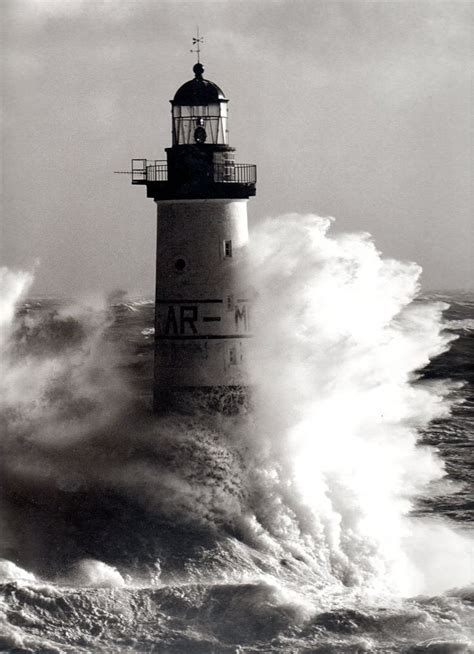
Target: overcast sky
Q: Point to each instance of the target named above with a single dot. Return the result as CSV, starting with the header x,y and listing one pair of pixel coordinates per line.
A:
x,y
361,110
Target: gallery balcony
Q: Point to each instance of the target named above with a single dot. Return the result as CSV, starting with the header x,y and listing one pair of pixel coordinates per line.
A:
x,y
189,179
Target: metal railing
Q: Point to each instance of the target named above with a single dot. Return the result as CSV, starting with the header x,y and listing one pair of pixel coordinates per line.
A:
x,y
235,173
157,171
149,171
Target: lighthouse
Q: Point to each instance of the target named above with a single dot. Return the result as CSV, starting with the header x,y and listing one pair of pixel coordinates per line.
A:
x,y
202,303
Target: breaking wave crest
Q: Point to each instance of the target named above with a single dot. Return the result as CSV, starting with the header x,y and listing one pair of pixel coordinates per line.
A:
x,y
303,504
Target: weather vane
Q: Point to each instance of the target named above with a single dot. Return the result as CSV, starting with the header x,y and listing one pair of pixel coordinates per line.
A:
x,y
197,40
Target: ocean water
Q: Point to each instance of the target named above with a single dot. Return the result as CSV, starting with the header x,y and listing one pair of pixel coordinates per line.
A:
x,y
335,515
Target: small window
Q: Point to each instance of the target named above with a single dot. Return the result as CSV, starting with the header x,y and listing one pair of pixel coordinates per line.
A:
x,y
227,249
233,356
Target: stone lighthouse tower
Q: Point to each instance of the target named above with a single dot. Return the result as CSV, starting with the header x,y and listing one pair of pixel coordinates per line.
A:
x,y
202,316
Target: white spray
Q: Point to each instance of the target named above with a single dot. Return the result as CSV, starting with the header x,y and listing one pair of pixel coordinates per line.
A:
x,y
338,341
331,461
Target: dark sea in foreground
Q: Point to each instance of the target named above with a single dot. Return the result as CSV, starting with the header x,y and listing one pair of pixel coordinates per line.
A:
x,y
124,534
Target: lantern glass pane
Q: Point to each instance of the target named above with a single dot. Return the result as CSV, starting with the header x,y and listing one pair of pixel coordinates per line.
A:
x,y
212,118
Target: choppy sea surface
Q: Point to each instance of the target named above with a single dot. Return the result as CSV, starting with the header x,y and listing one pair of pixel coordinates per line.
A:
x,y
340,522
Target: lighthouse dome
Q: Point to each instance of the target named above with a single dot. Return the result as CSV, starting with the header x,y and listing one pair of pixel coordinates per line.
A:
x,y
198,91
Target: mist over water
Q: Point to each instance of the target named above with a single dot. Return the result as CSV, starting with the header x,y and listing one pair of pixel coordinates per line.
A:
x,y
301,505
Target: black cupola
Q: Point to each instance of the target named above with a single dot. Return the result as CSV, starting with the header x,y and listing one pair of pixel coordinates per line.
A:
x,y
198,91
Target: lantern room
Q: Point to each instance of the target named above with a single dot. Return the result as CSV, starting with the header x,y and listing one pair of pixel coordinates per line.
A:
x,y
199,111
200,162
